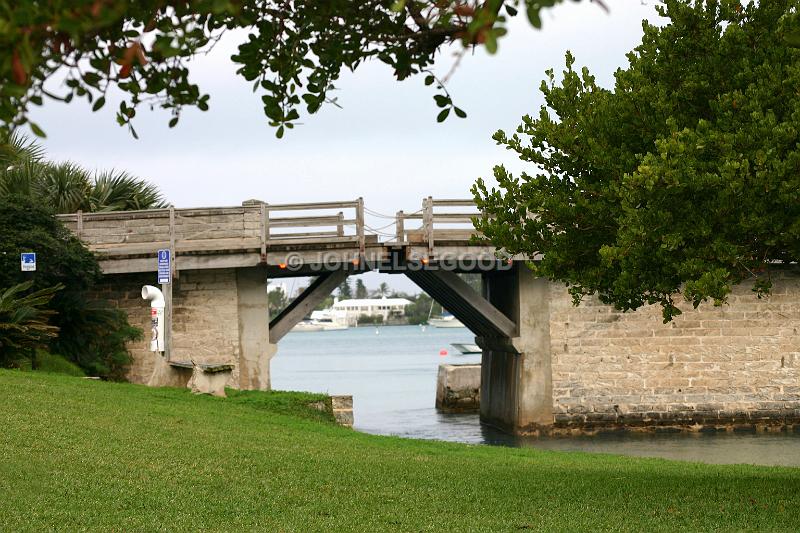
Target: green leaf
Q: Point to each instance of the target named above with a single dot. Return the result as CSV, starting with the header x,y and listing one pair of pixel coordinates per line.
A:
x,y
441,100
512,11
534,16
39,132
100,102
92,78
459,112
491,42
429,79
173,122
279,133
442,115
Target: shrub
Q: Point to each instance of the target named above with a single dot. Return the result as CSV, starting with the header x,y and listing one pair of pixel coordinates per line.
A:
x,y
370,319
89,334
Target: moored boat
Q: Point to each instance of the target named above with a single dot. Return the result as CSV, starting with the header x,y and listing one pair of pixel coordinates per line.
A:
x,y
466,348
307,325
446,321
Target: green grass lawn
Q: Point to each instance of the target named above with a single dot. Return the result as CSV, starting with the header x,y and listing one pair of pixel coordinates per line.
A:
x,y
80,454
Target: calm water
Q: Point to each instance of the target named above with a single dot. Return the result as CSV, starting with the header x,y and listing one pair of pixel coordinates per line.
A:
x,y
391,374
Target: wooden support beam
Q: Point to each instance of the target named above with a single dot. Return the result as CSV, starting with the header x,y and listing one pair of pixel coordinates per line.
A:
x,y
427,222
263,229
79,224
166,290
399,226
360,224
455,295
319,289
172,259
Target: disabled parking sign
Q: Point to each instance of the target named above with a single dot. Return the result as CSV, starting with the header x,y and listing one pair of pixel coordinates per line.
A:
x,y
164,266
28,262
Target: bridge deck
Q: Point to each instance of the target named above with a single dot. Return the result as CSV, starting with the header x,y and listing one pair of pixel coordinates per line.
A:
x,y
254,233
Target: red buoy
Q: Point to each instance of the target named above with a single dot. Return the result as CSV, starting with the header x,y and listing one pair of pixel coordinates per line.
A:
x,y
442,352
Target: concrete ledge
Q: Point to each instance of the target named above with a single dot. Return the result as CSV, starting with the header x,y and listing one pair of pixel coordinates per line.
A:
x,y
201,378
458,388
210,368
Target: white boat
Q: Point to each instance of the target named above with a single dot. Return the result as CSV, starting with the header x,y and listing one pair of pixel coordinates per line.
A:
x,y
307,325
466,348
446,321
330,319
329,325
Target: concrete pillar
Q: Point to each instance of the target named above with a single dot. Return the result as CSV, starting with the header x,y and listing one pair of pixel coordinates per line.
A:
x,y
255,350
516,378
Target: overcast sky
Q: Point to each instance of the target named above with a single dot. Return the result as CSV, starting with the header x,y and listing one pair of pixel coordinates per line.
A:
x,y
384,145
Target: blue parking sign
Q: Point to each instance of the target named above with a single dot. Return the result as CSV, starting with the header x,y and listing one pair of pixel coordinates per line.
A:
x,y
27,262
164,266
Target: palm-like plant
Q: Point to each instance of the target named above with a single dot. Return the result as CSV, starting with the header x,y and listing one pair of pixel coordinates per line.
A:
x,y
382,290
67,187
15,148
64,186
119,191
24,320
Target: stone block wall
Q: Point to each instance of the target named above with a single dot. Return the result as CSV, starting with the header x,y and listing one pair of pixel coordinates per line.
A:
x,y
738,364
205,320
124,291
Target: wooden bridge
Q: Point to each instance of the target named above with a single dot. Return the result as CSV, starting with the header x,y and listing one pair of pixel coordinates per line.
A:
x,y
543,360
294,238
223,257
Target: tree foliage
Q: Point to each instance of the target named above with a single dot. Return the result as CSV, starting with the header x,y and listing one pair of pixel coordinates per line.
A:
x,y
421,309
682,179
276,301
66,187
345,290
382,290
90,334
293,52
361,289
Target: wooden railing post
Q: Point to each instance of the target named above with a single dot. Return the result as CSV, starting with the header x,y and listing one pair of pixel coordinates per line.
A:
x,y
266,223
262,230
340,225
360,224
172,258
427,222
166,289
399,225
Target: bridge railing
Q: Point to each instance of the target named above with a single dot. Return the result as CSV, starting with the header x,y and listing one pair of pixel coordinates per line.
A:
x,y
346,225
253,225
441,220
